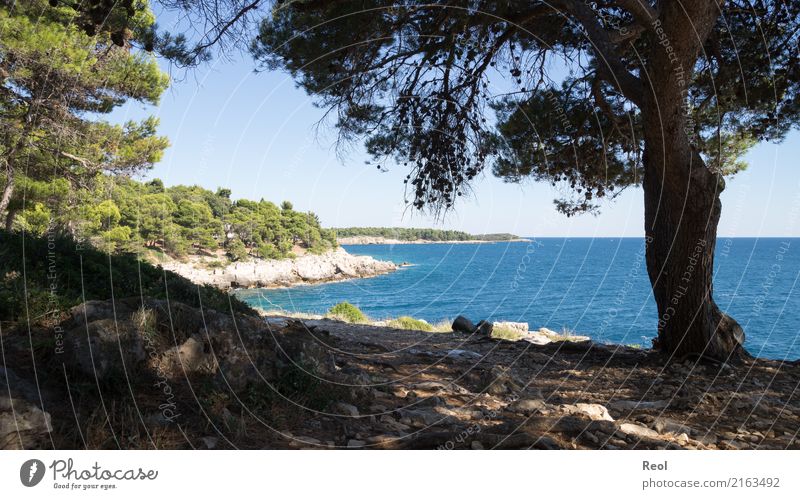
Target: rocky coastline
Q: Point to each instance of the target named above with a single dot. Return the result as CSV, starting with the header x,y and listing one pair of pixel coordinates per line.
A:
x,y
334,265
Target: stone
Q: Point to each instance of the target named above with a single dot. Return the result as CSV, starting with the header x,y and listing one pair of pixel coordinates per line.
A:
x,y
518,327
463,354
347,409
23,424
638,431
463,325
355,444
189,358
499,381
484,328
528,406
595,412
103,346
666,425
633,405
475,445
210,442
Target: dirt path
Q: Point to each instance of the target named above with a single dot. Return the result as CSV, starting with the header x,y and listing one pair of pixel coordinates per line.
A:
x,y
447,390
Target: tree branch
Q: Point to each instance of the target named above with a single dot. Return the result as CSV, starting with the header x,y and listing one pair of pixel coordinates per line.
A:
x,y
613,70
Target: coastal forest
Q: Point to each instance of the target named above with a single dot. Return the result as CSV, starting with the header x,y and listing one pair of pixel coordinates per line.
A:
x,y
122,215
412,234
105,347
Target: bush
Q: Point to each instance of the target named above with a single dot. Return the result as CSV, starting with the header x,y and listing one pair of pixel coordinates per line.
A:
x,y
347,312
406,322
506,334
56,274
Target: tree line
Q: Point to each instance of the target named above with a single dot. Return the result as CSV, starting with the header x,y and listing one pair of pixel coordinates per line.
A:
x,y
412,234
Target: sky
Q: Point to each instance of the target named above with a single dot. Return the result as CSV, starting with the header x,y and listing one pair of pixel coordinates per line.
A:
x,y
255,133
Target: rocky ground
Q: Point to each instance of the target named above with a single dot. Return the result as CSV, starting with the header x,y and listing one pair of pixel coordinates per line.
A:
x,y
335,265
166,375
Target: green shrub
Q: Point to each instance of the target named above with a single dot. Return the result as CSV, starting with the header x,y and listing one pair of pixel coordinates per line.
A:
x,y
406,322
347,312
55,274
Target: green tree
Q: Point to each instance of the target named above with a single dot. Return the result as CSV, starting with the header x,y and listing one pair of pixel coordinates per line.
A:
x,y
55,78
662,94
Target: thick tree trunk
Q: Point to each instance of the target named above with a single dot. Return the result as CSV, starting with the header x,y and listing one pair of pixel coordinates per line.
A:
x,y
682,210
681,194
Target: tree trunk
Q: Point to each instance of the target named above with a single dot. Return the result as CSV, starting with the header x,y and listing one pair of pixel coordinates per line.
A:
x,y
8,190
682,210
10,216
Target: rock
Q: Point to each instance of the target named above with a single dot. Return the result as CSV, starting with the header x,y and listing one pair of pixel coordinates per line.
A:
x,y
595,412
633,405
23,424
528,406
475,445
347,409
463,325
484,328
463,354
189,358
638,431
499,381
355,444
103,346
666,425
517,327
210,442
333,265
424,417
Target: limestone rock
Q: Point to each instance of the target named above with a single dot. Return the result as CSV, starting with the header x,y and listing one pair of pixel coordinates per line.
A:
x,y
595,412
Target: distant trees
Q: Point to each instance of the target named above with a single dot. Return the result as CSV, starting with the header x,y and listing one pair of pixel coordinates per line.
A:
x,y
404,234
591,96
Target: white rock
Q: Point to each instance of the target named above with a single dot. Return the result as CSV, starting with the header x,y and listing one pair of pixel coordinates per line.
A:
x,y
595,412
638,431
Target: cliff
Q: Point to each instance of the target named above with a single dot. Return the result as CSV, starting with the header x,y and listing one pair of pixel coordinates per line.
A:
x,y
335,265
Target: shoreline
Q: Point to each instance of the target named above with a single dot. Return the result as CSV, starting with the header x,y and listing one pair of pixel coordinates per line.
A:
x,y
376,240
332,266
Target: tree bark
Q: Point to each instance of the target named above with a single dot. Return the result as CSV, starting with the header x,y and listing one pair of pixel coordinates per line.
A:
x,y
681,195
682,210
8,190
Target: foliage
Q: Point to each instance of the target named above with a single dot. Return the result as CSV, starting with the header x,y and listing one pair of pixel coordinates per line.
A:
x,y
118,214
347,312
506,334
403,234
41,276
419,79
57,79
410,323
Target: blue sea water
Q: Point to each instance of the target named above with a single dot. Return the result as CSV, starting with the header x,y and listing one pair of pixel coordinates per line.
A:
x,y
597,287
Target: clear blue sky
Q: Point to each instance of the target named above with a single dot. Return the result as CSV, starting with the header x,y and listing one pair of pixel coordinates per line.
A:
x,y
255,134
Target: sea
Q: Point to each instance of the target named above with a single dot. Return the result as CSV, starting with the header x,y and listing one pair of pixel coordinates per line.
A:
x,y
596,287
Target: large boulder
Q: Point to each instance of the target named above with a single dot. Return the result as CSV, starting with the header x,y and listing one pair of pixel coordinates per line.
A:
x,y
23,424
104,346
463,325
